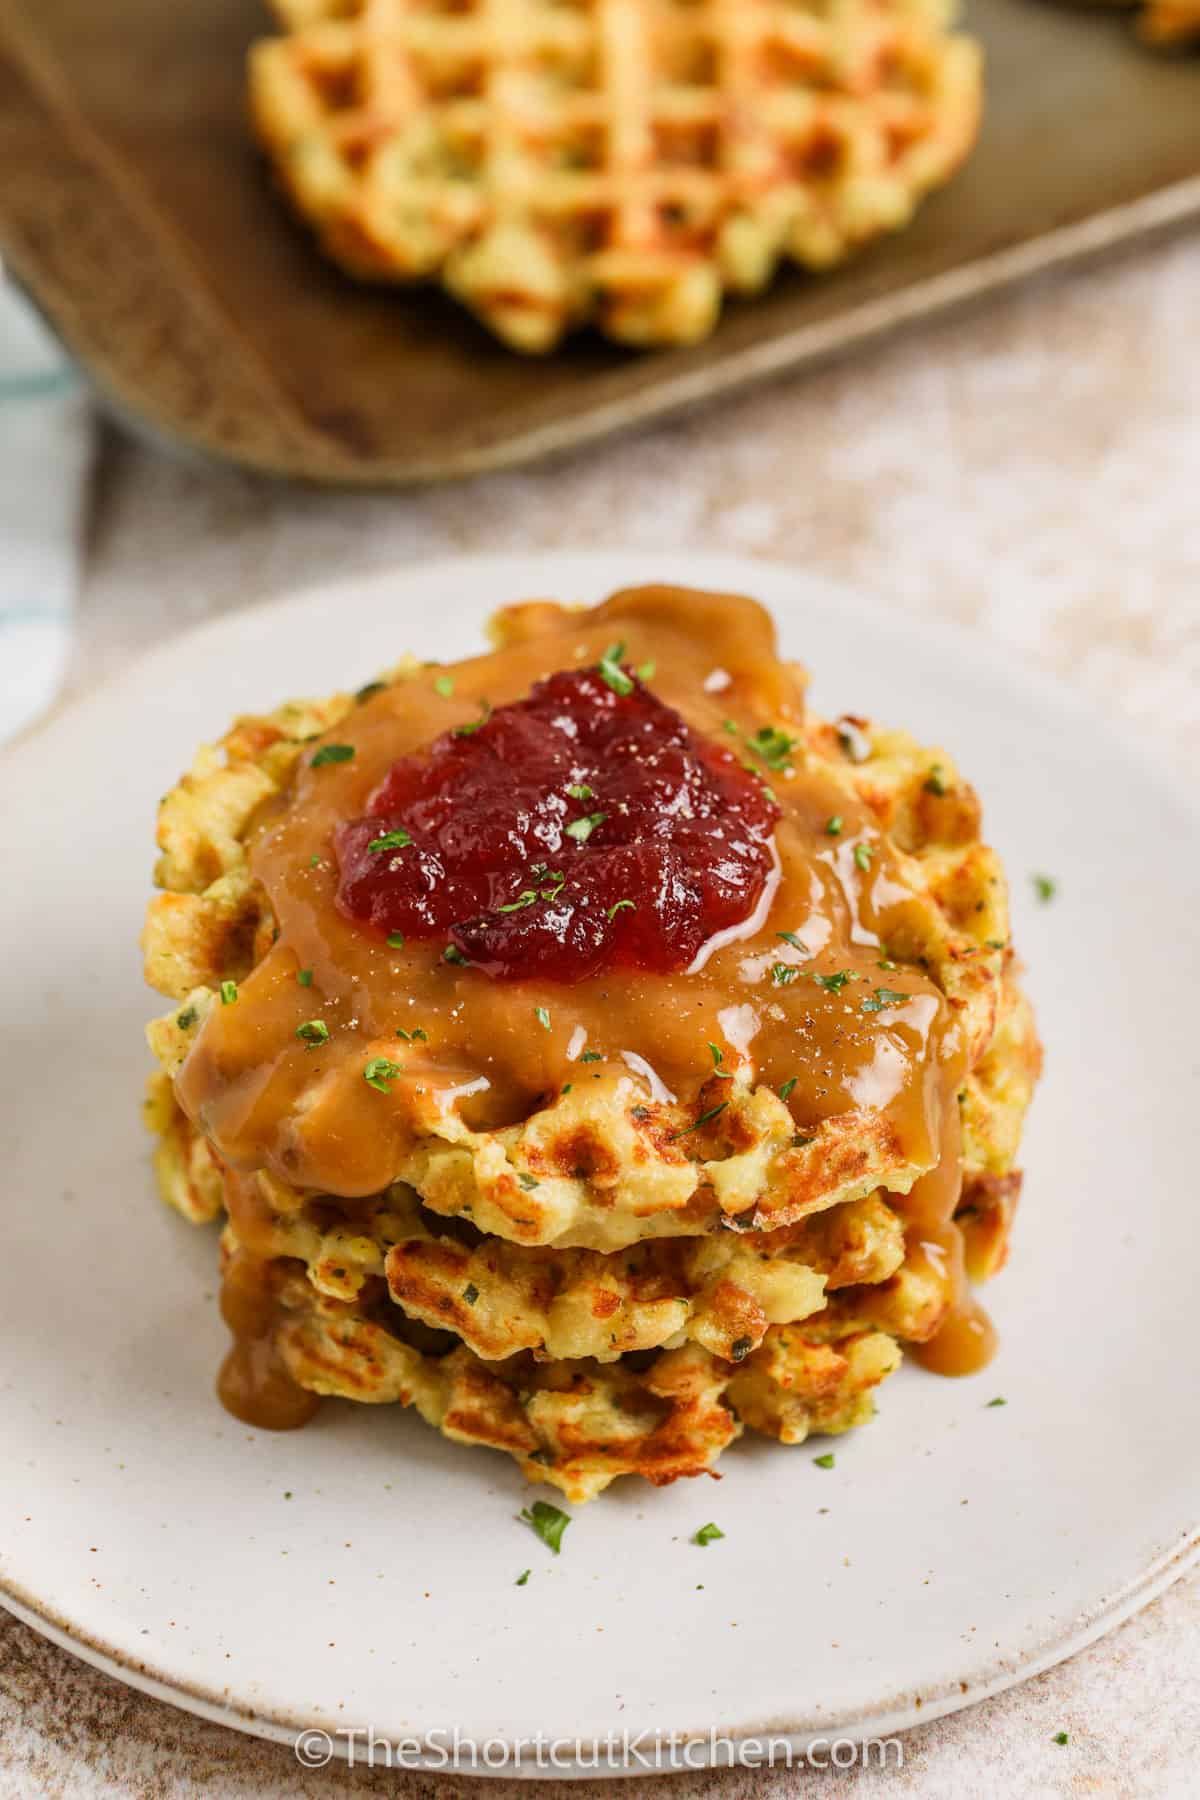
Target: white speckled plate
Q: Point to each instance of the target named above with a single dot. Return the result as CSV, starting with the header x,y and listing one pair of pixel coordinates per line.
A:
x,y
361,1573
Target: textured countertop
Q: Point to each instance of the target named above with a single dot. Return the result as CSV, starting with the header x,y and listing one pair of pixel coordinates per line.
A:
x,y
1032,473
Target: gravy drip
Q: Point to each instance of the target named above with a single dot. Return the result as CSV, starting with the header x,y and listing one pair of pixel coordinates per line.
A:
x,y
812,990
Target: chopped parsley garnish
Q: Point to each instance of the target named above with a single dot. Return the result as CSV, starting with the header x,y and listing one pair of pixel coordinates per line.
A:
x,y
558,882
621,906
528,1181
314,861
718,1056
548,1521
833,825
412,1037
591,1056
470,1293
452,954
873,1003
998,1401
782,974
522,1578
824,1462
542,1017
1060,1737
304,977
379,1071
702,1120
862,856
833,984
997,944
313,1031
485,713
186,1019
797,943
391,840
885,962
582,829
228,993
786,1089
935,781
707,1534
332,753
526,897
395,940
611,673
1045,887
773,747
444,685
579,790
369,691
646,671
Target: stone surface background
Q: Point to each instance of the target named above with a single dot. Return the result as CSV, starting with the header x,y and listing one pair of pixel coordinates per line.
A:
x,y
1031,472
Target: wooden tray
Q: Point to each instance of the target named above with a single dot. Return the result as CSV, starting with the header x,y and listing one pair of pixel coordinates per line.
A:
x,y
136,211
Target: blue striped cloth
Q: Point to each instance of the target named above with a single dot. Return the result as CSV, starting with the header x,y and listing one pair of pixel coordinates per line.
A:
x,y
45,448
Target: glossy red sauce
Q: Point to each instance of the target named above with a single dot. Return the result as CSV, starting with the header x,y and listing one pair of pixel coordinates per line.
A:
x,y
578,829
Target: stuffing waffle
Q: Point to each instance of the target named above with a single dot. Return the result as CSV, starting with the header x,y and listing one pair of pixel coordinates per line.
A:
x,y
575,1424
639,1263
623,163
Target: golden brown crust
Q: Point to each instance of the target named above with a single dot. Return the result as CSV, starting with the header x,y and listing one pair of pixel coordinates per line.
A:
x,y
722,1291
615,1282
579,1424
624,165
985,1215
606,1167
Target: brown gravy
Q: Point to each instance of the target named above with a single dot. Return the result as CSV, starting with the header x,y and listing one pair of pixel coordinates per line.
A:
x,y
253,1384
267,1099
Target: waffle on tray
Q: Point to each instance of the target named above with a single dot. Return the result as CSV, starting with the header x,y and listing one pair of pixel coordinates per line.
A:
x,y
623,163
620,1280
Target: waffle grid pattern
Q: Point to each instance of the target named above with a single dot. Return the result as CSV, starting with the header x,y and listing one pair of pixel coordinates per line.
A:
x,y
619,161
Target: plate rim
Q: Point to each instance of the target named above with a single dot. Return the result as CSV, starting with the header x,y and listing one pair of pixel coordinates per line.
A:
x,y
563,569
281,1726
1016,668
